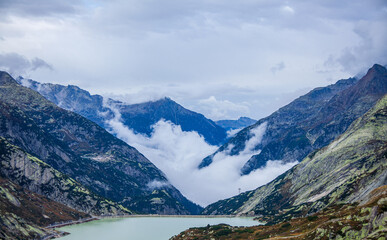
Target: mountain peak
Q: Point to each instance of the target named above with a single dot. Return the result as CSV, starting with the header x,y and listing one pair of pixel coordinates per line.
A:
x,y
378,68
374,82
165,99
6,79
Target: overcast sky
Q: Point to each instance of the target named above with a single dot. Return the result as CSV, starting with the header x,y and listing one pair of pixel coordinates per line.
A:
x,y
221,58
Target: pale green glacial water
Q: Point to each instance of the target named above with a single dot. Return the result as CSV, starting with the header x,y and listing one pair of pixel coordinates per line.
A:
x,y
144,228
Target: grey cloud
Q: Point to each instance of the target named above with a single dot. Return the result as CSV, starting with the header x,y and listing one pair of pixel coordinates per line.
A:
x,y
38,8
170,16
17,64
37,63
278,67
194,49
370,49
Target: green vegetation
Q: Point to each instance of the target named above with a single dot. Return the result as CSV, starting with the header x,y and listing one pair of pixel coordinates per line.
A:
x,y
342,172
345,221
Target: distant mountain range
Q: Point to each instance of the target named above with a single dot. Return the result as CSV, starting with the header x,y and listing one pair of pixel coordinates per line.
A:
x,y
241,122
73,161
139,117
310,122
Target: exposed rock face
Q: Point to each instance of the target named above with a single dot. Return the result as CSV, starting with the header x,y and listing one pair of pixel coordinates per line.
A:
x,y
39,177
84,151
23,213
311,121
139,117
345,171
72,98
344,221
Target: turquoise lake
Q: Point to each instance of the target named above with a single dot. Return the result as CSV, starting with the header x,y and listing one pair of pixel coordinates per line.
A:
x,y
144,228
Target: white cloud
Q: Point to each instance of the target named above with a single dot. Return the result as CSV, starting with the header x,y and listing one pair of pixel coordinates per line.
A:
x,y
288,9
157,184
232,132
178,154
184,49
222,109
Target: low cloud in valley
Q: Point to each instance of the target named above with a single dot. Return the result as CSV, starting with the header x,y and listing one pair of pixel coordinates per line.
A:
x,y
178,154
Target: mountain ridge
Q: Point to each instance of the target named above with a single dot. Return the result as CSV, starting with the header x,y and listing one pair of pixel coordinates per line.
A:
x,y
85,151
311,121
140,116
345,171
241,122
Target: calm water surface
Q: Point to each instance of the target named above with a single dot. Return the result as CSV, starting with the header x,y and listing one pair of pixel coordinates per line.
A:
x,y
144,228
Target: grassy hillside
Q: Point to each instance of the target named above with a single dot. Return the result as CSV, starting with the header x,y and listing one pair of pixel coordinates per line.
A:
x,y
345,171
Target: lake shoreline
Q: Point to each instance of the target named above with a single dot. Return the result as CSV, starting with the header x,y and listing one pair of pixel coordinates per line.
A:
x,y
57,226
162,215
94,218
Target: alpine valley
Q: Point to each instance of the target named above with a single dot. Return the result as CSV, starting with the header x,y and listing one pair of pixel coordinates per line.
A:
x,y
60,163
337,191
65,161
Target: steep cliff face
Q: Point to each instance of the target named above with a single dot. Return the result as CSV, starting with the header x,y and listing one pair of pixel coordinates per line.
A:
x,y
23,213
39,177
139,117
84,151
345,171
311,121
73,99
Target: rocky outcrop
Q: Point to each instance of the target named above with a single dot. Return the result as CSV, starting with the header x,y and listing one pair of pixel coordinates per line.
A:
x,y
39,177
345,171
24,214
310,122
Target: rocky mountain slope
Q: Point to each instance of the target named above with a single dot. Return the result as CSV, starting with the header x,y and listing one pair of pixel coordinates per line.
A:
x,y
309,122
241,122
139,117
73,99
143,115
85,152
23,213
31,173
345,221
345,171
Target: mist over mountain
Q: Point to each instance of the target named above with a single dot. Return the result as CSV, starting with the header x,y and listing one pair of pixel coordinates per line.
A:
x,y
74,162
269,110
309,122
234,126
241,122
175,151
82,150
344,172
138,117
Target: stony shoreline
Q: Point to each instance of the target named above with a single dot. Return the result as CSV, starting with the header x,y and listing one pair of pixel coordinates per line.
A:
x,y
59,233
